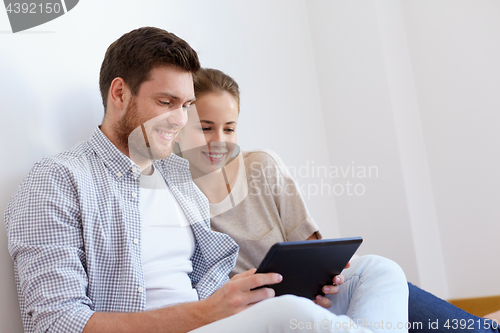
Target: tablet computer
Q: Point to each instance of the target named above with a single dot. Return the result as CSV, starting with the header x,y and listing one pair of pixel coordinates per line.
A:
x,y
307,266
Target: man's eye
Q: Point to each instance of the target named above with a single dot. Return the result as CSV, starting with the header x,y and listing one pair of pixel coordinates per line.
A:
x,y
164,103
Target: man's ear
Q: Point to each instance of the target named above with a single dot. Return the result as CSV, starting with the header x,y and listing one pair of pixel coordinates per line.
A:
x,y
119,94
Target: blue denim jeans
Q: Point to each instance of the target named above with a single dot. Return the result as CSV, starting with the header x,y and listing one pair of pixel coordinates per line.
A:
x,y
428,313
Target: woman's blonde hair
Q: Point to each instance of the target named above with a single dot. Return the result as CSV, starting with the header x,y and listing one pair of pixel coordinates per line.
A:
x,y
208,80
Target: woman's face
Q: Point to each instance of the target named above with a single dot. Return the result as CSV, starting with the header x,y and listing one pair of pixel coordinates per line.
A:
x,y
209,138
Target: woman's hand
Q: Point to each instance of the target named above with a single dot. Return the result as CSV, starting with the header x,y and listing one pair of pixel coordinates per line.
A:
x,y
330,290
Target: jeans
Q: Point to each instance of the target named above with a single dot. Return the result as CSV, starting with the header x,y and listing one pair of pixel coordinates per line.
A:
x,y
373,297
429,313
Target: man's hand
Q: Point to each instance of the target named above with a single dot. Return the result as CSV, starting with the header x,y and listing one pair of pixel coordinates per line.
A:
x,y
233,297
237,294
331,289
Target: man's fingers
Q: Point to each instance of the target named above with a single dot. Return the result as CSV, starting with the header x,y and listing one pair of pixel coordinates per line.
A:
x,y
250,272
259,280
257,295
323,301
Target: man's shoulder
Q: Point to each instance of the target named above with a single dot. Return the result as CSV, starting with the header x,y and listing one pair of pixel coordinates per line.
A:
x,y
75,159
52,176
62,172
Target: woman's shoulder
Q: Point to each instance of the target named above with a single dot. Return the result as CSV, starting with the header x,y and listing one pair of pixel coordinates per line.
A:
x,y
263,158
262,155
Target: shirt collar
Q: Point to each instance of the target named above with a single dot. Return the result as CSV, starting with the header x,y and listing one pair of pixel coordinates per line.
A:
x,y
116,161
119,164
174,163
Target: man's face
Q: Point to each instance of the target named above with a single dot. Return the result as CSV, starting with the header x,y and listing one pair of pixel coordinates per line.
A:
x,y
154,117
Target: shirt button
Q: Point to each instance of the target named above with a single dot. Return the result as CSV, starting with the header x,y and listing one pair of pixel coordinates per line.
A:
x,y
136,241
119,174
134,169
134,194
140,289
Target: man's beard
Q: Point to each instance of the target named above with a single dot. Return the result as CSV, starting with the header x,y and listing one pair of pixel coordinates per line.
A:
x,y
131,136
127,124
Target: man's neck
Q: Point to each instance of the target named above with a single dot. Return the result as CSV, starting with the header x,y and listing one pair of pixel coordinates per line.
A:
x,y
145,164
107,130
148,171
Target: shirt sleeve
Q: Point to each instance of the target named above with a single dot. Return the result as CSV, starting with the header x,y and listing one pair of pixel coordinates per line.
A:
x,y
296,222
45,237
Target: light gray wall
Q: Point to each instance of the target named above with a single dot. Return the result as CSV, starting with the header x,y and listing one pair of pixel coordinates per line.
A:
x,y
454,54
412,87
370,110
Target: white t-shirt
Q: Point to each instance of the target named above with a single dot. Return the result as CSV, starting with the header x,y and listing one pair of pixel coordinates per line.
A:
x,y
167,245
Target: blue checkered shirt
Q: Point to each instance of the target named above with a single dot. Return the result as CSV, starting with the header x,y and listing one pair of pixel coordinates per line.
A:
x,y
74,231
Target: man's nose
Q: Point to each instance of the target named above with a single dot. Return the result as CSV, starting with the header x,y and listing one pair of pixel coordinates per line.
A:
x,y
177,117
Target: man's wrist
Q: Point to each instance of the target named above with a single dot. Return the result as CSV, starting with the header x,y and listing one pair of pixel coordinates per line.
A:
x,y
190,315
177,318
202,312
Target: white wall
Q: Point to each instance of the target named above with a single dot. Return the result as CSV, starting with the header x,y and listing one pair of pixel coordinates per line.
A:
x,y
370,107
412,87
409,87
454,51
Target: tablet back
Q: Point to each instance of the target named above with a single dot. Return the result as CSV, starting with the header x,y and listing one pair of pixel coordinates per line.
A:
x,y
307,266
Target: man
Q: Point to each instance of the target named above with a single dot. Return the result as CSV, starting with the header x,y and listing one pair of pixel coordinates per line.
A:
x,y
95,250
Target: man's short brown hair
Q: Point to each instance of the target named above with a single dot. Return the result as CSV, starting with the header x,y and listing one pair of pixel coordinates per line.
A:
x,y
135,54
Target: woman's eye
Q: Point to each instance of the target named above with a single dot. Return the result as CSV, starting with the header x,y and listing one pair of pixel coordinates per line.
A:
x,y
230,129
186,107
205,129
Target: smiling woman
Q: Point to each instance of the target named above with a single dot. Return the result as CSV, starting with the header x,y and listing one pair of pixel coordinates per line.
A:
x,y
254,199
258,209
217,128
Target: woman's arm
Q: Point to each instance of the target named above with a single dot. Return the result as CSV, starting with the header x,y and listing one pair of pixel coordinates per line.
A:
x,y
313,236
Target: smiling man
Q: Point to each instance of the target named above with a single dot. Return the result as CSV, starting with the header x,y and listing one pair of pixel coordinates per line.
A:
x,y
163,101
87,248
113,235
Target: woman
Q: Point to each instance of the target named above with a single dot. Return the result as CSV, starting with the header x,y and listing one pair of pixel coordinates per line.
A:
x,y
253,198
